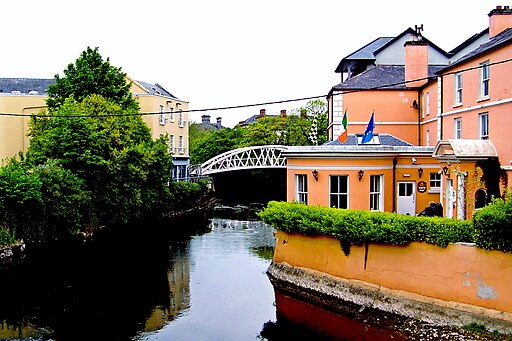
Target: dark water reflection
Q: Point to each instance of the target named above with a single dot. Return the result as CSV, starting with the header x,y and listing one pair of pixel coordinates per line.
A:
x,y
193,279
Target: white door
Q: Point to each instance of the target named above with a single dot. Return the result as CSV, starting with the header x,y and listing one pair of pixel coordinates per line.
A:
x,y
450,198
406,198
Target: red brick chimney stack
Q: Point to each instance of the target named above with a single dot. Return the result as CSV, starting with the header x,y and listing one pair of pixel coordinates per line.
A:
x,y
499,20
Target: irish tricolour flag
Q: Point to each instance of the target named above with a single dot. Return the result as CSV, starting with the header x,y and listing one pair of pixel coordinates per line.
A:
x,y
344,133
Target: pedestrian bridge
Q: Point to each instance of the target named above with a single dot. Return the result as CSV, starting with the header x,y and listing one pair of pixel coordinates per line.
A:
x,y
255,157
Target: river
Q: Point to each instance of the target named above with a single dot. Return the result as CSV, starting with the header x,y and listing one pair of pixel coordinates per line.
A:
x,y
186,279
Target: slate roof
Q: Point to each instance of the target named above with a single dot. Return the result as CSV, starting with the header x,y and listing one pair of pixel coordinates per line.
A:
x,y
156,89
25,85
385,140
381,77
499,40
366,52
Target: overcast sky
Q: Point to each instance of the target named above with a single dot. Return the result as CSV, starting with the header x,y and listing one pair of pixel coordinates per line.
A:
x,y
221,53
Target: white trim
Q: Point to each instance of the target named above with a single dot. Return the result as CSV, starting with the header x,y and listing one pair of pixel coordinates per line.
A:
x,y
477,107
339,168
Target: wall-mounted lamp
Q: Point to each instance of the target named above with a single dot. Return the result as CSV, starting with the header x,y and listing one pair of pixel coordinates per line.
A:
x,y
415,104
445,170
420,172
315,174
360,173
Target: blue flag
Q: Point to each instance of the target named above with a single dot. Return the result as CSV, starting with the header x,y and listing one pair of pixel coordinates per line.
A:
x,y
368,134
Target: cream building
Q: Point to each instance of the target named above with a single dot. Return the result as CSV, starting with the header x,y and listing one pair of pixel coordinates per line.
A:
x,y
164,114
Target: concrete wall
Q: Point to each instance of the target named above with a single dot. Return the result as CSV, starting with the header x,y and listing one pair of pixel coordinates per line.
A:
x,y
465,280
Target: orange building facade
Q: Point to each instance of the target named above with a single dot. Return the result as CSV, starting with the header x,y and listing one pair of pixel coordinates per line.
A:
x,y
448,109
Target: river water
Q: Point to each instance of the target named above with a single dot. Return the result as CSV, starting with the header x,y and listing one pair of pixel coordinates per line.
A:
x,y
189,279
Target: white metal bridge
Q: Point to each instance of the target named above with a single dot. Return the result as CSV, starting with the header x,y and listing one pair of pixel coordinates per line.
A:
x,y
268,156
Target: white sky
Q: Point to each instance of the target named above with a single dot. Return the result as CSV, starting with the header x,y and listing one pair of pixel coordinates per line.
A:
x,y
216,53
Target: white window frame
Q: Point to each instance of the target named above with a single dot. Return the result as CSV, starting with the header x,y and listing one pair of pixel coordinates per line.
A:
x,y
338,194
161,119
427,99
180,119
376,193
181,149
458,89
301,188
435,179
171,114
428,137
172,149
483,126
485,79
457,126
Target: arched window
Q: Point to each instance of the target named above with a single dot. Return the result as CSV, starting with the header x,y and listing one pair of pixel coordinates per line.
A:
x,y
480,198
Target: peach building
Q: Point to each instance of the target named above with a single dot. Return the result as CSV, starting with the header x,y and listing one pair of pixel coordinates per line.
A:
x,y
448,108
164,113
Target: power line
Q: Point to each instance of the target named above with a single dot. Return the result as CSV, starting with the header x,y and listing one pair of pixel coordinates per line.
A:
x,y
380,87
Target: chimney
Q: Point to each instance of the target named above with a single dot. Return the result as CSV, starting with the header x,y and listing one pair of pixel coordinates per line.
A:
x,y
283,113
219,122
262,113
499,20
205,119
416,62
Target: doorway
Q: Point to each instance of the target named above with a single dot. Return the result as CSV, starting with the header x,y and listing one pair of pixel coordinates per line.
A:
x,y
406,198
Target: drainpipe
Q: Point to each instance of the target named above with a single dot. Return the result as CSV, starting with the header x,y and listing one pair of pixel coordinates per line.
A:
x,y
394,184
442,109
419,118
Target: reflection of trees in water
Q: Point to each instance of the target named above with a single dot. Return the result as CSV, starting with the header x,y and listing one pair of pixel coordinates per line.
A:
x,y
106,289
260,241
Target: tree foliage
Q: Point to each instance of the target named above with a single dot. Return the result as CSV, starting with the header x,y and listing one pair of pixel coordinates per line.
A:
x,y
292,130
89,75
123,168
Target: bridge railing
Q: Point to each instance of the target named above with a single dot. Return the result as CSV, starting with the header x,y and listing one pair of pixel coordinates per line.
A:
x,y
268,156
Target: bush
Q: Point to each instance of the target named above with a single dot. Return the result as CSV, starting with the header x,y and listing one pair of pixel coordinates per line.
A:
x,y
353,227
493,225
5,238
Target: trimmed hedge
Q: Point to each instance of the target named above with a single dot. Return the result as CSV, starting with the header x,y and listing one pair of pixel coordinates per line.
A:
x,y
493,225
357,227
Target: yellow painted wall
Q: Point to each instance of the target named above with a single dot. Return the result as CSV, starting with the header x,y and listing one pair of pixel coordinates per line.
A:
x,y
459,274
14,129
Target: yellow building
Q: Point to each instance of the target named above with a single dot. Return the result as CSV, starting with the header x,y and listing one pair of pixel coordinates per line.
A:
x,y
164,113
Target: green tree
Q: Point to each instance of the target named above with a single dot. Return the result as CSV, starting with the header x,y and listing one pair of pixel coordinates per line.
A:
x,y
123,168
41,203
89,75
212,143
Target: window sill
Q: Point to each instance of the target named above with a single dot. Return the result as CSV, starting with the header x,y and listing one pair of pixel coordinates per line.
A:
x,y
458,105
483,99
434,191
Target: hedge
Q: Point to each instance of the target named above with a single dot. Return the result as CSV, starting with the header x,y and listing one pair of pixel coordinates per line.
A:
x,y
354,227
493,225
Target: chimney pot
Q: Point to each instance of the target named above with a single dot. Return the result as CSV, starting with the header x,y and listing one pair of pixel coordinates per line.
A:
x,y
262,112
205,119
219,122
283,113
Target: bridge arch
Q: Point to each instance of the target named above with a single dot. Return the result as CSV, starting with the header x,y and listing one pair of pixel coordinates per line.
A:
x,y
268,156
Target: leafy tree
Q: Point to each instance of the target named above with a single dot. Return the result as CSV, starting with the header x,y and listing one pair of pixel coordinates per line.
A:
x,y
313,108
91,75
213,143
41,203
123,168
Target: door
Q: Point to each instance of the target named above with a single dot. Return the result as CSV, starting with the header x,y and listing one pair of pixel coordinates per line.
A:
x,y
450,198
406,198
